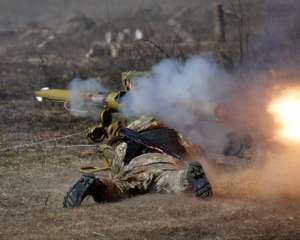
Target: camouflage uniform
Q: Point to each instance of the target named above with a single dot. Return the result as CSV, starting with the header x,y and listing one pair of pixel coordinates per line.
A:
x,y
146,173
151,172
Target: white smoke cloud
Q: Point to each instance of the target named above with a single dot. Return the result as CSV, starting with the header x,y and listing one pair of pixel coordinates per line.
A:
x,y
78,105
183,96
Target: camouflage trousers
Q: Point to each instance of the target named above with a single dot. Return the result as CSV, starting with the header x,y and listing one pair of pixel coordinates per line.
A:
x,y
152,172
147,173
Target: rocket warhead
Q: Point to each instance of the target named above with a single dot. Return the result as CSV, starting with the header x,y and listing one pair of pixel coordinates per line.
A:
x,y
38,97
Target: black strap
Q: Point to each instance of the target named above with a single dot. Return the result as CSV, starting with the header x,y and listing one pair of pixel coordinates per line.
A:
x,y
138,138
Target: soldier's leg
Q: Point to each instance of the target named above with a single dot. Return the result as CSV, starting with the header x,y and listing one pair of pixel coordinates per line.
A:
x,y
160,173
191,178
137,177
101,189
152,172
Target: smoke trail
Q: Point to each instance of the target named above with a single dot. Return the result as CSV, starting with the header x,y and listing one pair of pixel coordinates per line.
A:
x,y
79,106
183,96
178,94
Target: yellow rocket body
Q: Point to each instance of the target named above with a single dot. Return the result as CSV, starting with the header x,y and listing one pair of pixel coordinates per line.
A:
x,y
58,95
108,101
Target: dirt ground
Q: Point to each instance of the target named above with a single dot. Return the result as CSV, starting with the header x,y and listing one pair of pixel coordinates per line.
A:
x,y
34,180
38,163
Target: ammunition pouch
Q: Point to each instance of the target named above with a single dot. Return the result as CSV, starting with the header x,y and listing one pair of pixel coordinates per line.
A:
x,y
96,134
105,117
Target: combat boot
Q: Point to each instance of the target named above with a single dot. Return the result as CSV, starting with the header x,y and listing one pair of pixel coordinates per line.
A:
x,y
103,190
79,191
198,180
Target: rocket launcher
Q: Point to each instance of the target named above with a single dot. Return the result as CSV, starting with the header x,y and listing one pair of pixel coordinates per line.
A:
x,y
107,102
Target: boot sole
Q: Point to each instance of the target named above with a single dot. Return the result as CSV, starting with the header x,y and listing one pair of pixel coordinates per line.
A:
x,y
78,192
198,180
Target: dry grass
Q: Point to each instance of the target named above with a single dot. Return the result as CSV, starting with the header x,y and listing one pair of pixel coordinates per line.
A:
x,y
34,180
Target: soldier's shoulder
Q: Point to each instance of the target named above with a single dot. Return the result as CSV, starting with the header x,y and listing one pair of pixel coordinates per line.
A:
x,y
151,158
144,123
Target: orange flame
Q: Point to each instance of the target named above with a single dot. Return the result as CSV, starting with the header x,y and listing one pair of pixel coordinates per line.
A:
x,y
286,110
